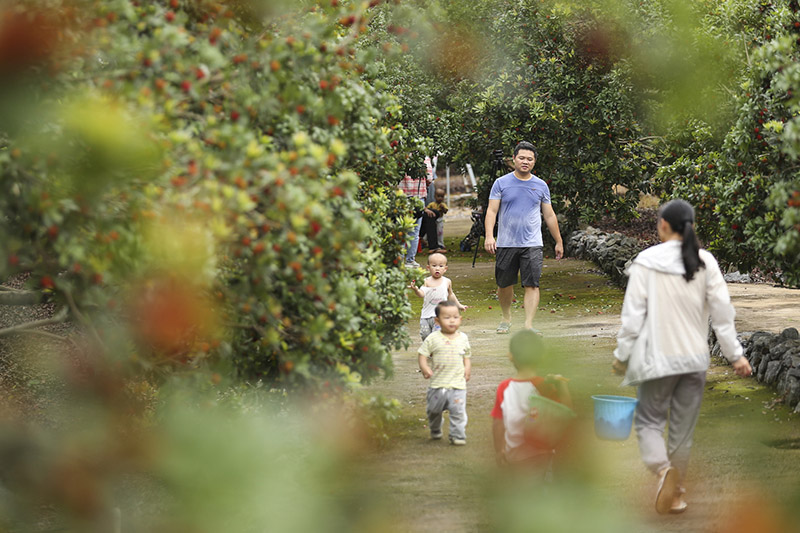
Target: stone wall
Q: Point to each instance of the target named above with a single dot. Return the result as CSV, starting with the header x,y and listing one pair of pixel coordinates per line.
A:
x,y
775,358
610,251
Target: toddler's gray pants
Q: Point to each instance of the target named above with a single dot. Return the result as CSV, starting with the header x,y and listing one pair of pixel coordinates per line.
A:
x,y
452,400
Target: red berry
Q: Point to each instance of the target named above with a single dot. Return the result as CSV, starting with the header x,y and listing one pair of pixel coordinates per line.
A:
x,y
186,86
170,16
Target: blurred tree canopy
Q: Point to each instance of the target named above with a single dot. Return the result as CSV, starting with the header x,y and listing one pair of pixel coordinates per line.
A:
x,y
216,182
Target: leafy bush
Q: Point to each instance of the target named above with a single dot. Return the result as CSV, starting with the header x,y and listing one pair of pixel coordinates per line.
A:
x,y
744,186
217,182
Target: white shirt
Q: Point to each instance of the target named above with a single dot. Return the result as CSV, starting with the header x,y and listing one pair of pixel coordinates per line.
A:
x,y
665,318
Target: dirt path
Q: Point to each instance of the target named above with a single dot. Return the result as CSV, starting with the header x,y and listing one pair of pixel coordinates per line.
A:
x,y
432,486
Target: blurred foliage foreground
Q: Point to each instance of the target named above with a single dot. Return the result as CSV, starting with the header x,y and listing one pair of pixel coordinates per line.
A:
x,y
205,193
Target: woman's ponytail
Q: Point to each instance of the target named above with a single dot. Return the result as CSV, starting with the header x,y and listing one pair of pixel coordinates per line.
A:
x,y
690,251
679,214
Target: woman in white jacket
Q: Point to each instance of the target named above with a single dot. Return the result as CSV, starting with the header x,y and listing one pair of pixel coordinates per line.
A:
x,y
662,346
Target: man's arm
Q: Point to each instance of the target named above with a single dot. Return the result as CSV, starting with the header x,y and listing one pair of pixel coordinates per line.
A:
x,y
491,217
551,220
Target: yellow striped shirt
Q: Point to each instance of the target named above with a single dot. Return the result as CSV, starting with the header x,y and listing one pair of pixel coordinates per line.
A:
x,y
448,359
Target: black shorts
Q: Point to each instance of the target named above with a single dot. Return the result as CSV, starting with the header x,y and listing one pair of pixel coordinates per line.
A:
x,y
527,261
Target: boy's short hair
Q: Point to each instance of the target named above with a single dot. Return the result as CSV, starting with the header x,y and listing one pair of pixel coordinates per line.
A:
x,y
437,253
444,303
526,349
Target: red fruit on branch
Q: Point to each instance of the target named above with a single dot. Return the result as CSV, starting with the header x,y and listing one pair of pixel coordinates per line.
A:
x,y
170,16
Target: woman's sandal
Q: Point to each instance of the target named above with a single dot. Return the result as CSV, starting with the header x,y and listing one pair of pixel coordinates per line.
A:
x,y
667,489
681,507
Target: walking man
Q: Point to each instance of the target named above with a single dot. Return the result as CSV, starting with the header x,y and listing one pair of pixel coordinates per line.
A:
x,y
521,200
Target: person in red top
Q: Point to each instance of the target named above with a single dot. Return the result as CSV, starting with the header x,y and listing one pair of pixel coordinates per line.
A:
x,y
512,410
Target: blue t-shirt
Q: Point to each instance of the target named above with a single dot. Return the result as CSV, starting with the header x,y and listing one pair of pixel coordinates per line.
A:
x,y
520,214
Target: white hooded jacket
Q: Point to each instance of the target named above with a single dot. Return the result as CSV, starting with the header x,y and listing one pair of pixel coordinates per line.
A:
x,y
665,318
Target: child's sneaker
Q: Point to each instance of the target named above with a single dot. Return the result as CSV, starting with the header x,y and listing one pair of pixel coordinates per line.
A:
x,y
458,442
436,436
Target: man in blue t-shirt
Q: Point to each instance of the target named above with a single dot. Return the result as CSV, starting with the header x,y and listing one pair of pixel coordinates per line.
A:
x,y
521,200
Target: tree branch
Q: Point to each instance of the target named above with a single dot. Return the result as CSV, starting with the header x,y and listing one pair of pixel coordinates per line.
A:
x,y
48,335
85,321
19,328
15,297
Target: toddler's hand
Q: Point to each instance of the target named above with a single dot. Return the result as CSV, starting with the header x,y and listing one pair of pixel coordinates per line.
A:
x,y
461,307
426,373
466,375
618,367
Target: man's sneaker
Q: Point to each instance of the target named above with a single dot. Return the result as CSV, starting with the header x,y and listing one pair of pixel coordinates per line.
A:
x,y
410,264
436,436
458,442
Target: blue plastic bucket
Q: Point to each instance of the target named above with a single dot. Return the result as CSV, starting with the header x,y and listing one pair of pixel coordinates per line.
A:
x,y
613,416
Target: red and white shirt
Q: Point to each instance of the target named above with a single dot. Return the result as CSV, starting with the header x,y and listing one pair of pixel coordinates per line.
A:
x,y
512,406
